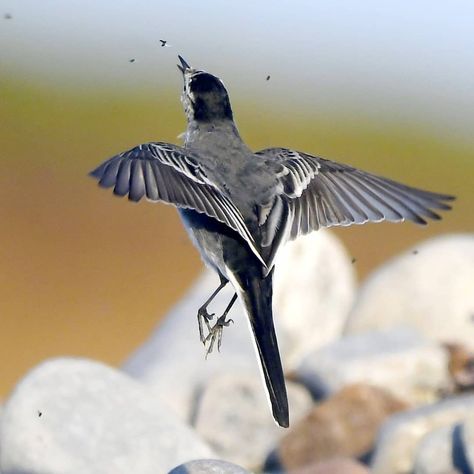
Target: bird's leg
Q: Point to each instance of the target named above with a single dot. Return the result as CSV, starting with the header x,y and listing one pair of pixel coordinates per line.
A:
x,y
204,316
215,332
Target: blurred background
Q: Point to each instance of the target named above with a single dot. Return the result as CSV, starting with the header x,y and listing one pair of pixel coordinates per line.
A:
x,y
385,86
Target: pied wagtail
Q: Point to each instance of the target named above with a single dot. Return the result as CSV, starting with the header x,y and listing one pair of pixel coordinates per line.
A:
x,y
240,207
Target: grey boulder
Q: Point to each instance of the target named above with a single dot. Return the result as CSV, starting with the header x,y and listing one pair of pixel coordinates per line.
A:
x,y
400,360
399,438
208,466
440,451
429,287
466,434
234,418
315,287
74,416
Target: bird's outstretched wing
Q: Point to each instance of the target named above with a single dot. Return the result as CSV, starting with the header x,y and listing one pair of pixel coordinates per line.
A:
x,y
165,172
316,193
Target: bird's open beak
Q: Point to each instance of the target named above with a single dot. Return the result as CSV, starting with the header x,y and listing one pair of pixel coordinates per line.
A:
x,y
184,65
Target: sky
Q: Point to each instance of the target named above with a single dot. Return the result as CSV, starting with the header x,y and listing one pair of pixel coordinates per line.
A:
x,y
408,60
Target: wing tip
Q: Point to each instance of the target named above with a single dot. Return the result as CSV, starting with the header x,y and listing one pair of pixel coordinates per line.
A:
x,y
99,177
96,173
448,197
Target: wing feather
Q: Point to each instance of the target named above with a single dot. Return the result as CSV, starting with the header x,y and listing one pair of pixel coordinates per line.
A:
x,y
323,193
164,172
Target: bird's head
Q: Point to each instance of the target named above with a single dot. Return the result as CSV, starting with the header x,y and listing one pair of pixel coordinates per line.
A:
x,y
204,97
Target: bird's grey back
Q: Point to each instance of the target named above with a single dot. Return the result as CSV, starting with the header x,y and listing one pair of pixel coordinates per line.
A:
x,y
248,179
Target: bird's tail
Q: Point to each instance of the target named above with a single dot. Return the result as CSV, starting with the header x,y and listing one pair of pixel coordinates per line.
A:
x,y
257,297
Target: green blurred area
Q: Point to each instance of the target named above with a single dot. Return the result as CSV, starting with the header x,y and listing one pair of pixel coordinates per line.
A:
x,y
85,273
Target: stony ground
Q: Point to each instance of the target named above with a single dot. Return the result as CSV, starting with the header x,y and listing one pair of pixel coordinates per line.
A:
x,y
380,379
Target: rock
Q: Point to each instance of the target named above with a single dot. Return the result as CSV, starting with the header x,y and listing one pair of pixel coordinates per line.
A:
x,y
344,425
461,366
430,290
434,453
400,360
334,466
232,416
208,466
175,347
314,291
72,416
465,436
397,442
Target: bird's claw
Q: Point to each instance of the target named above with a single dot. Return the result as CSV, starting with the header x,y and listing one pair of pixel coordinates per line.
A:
x,y
215,333
203,318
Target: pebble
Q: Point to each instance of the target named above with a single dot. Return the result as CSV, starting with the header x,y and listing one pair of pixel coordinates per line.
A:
x,y
431,291
398,440
234,419
315,286
434,453
72,416
208,466
400,360
344,425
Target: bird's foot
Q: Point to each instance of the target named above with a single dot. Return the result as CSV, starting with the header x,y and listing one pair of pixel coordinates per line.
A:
x,y
203,318
215,333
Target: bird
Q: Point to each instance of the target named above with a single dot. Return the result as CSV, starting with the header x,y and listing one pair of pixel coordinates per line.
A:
x,y
240,207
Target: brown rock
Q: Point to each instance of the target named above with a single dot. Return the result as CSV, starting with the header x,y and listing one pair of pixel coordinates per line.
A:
x,y
461,366
334,466
344,425
232,417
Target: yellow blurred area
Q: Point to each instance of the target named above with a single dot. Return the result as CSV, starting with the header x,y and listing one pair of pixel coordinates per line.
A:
x,y
85,273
